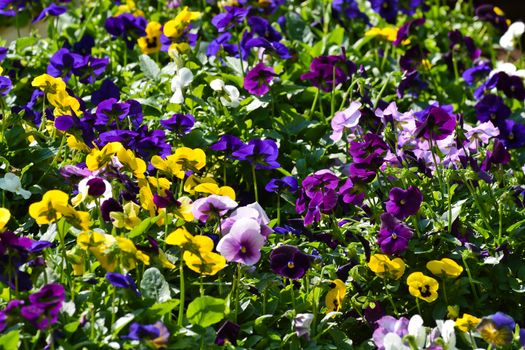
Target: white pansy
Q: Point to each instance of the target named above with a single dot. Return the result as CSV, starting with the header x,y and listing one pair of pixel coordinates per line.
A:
x,y
416,329
512,35
392,341
182,79
11,183
229,94
448,333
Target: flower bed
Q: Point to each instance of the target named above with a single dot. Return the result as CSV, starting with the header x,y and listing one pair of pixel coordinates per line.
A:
x,y
262,174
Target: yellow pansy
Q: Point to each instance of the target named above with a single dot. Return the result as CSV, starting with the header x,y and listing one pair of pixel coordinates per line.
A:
x,y
388,33
445,268
183,209
423,287
206,264
76,258
129,7
212,188
335,296
50,208
75,144
128,218
100,158
49,84
1,70
467,323
175,27
134,164
78,219
182,160
151,42
161,183
453,311
382,266
64,104
193,180
146,198
130,253
5,215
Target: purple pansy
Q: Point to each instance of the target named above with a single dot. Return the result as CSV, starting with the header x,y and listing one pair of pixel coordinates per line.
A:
x,y
389,324
52,10
127,26
5,85
403,203
386,8
404,31
346,119
512,134
394,235
227,333
156,334
288,261
234,15
243,243
179,123
260,153
204,208
63,63
479,70
258,78
492,107
278,185
122,281
435,123
326,72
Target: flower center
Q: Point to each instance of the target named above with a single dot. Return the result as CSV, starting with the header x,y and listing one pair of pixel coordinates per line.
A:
x,y
425,291
511,136
394,236
291,265
493,116
243,249
402,202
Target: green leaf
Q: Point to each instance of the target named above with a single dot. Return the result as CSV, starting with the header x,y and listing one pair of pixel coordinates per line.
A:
x,y
149,67
161,309
154,285
24,42
10,340
206,311
72,326
143,226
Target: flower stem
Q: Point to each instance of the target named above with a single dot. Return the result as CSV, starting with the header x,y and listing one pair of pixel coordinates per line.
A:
x,y
255,184
237,283
182,292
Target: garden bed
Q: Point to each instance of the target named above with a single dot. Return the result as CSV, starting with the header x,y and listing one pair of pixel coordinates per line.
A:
x,y
261,175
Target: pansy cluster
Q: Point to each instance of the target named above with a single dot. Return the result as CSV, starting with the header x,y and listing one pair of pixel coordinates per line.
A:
x,y
136,138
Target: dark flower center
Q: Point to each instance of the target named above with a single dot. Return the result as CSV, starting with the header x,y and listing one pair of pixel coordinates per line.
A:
x,y
425,291
402,202
151,42
243,250
492,116
291,265
511,136
394,236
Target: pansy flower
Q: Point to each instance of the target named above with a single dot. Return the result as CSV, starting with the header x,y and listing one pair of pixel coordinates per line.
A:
x,y
394,235
467,323
445,267
227,333
423,287
497,329
382,266
151,42
243,243
122,281
155,335
403,203
260,153
288,261
258,78
335,296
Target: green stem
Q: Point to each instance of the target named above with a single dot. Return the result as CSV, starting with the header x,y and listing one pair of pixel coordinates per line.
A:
x,y
292,294
445,290
471,282
256,193
312,109
237,287
182,292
